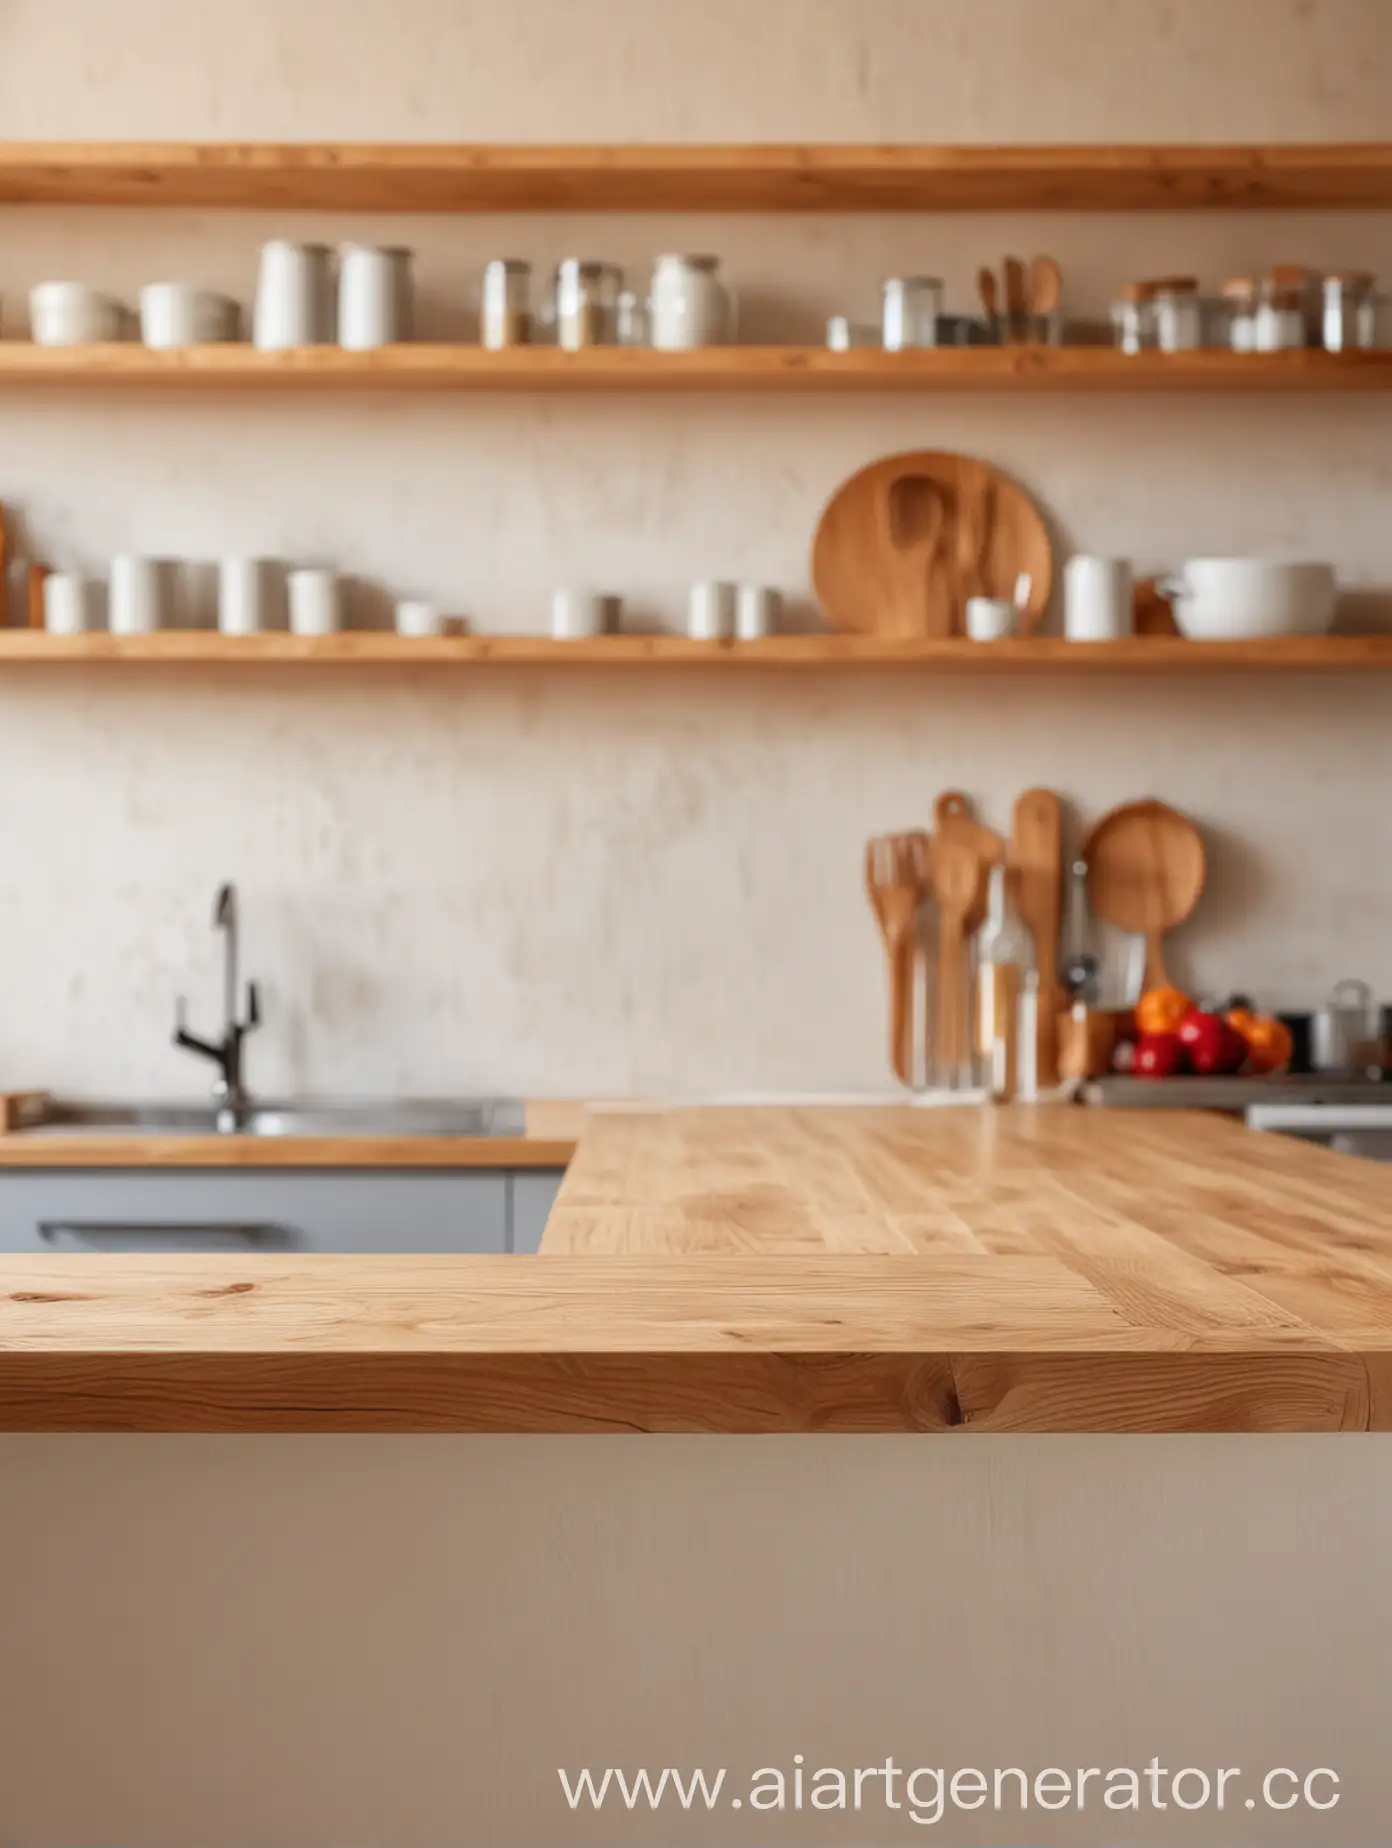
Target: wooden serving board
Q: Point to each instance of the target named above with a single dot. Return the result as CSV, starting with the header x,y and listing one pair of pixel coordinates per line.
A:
x,y
902,545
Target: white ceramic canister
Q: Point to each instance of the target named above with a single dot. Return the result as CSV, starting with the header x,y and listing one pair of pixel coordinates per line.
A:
x,y
174,314
73,314
1097,599
315,600
294,296
689,305
374,296
710,615
758,611
136,599
242,596
66,603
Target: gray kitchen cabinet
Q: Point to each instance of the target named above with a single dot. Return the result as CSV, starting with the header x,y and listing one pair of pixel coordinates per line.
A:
x,y
270,1209
533,1195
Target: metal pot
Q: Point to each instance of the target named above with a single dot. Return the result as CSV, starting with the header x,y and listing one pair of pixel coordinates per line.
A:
x,y
1341,1031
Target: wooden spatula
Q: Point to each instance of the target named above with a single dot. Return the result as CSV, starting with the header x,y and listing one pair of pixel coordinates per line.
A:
x,y
915,512
1016,299
897,882
1036,858
957,882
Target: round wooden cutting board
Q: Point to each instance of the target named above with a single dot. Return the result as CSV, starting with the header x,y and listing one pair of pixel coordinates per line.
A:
x,y
903,544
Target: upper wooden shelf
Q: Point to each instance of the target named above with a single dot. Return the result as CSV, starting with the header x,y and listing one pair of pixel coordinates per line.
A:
x,y
756,178
423,367
374,649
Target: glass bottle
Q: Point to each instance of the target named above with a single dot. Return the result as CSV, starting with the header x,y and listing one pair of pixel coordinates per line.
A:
x,y
1004,955
1081,970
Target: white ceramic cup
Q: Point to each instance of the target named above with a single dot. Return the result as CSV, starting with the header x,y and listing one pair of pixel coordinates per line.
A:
x,y
417,618
73,314
991,619
1097,599
66,603
577,613
294,296
316,602
710,612
374,296
175,314
758,611
136,600
242,596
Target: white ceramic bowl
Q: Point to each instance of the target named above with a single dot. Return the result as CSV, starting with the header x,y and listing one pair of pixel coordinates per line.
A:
x,y
73,314
174,314
1242,599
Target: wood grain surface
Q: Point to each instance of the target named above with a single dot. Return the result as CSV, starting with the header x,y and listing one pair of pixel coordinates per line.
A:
x,y
426,366
780,1270
759,177
363,650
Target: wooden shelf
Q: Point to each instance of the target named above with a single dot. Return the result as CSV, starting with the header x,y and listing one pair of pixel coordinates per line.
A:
x,y
421,367
363,649
759,178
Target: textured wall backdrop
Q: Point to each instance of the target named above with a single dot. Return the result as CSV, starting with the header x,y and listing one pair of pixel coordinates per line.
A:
x,y
605,884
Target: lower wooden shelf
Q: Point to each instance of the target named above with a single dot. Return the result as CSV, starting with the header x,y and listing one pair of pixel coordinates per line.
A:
x,y
424,367
364,649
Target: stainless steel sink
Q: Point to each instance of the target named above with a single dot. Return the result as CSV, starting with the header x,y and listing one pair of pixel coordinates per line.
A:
x,y
486,1116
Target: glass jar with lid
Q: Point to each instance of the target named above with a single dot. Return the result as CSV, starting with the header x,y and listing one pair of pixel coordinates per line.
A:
x,y
1133,318
1177,311
1349,318
1239,297
505,304
587,303
912,305
1281,321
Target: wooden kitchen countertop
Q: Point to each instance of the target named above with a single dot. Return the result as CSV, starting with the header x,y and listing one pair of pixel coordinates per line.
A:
x,y
1052,1269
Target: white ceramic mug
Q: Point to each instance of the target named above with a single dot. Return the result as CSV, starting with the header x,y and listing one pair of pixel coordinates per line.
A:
x,y
577,613
66,603
316,602
73,314
1097,599
242,596
136,601
174,314
991,619
758,611
374,296
710,613
294,294
417,618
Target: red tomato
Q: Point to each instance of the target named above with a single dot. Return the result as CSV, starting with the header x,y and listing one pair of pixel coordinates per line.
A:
x,y
1212,1047
1158,1055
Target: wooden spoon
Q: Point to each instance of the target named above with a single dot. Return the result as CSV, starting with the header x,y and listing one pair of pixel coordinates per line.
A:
x,y
957,882
987,289
1036,858
916,523
1016,299
1146,869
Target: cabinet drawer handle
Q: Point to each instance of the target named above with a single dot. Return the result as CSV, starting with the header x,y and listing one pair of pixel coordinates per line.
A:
x,y
249,1233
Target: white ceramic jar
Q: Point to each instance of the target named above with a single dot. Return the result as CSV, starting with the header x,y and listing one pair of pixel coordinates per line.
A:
x,y
67,603
374,296
1098,599
135,599
314,601
294,296
690,306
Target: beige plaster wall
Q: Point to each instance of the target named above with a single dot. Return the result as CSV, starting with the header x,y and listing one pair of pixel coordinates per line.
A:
x,y
593,884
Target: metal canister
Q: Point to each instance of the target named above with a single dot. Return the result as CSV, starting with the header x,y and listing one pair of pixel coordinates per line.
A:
x,y
505,305
1342,1030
